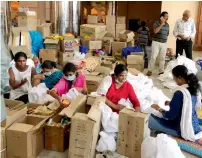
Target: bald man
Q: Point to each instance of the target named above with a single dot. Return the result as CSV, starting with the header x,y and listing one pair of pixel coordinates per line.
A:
x,y
185,32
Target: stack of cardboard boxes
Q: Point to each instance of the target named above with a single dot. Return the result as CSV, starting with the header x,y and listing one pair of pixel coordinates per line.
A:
x,y
120,25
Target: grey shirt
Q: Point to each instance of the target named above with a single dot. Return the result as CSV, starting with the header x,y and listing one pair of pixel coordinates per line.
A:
x,y
163,33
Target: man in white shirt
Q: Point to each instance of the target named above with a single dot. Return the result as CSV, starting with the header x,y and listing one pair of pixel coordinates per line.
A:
x,y
185,32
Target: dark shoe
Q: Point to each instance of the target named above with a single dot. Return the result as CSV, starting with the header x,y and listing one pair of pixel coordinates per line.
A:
x,y
149,73
161,73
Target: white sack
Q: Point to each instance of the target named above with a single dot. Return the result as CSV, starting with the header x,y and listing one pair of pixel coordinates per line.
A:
x,y
160,147
107,142
39,94
109,119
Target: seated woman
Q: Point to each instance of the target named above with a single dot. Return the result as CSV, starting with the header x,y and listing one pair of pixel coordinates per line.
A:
x,y
71,79
20,77
116,87
50,75
172,123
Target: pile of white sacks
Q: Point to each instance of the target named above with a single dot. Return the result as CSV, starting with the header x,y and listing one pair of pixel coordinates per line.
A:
x,y
167,77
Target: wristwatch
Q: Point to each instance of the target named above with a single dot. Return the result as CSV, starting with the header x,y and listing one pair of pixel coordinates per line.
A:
x,y
160,110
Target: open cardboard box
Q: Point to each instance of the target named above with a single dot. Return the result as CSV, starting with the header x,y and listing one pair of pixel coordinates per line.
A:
x,y
25,138
84,132
53,106
45,29
57,138
14,111
126,36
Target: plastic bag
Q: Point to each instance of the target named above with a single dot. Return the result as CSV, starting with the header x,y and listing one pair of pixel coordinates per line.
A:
x,y
109,119
39,94
160,147
72,94
107,142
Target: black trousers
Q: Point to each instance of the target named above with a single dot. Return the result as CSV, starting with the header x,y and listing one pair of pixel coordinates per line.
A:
x,y
186,45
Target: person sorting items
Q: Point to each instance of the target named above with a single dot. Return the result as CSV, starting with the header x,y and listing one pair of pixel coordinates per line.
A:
x,y
116,87
50,75
71,79
182,117
20,77
185,32
159,43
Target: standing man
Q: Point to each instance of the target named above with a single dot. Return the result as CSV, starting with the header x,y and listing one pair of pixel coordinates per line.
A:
x,y
185,32
159,43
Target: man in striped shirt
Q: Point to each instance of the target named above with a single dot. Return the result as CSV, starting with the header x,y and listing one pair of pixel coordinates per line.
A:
x,y
159,43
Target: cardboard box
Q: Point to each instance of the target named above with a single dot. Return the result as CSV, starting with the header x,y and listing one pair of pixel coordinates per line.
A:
x,y
48,54
133,128
126,36
29,132
92,19
95,45
107,44
93,81
52,44
110,20
121,20
111,29
91,45
131,43
137,53
120,28
134,71
54,107
77,105
70,45
27,19
135,61
3,138
65,57
103,70
24,49
57,138
14,111
92,32
117,47
45,29
84,132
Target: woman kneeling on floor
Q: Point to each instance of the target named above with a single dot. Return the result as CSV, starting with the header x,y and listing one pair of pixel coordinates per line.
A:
x,y
181,120
116,87
20,77
71,79
50,75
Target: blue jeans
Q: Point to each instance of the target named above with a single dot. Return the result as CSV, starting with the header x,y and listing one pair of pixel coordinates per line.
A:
x,y
155,125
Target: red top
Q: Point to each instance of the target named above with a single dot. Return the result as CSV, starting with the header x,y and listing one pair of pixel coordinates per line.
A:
x,y
125,91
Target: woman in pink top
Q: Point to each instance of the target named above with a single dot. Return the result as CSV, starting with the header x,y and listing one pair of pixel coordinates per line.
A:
x,y
71,79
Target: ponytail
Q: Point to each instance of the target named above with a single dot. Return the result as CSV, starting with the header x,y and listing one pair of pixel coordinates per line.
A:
x,y
193,83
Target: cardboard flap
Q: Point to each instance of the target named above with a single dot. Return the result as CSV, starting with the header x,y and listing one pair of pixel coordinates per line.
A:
x,y
21,127
22,49
46,24
94,73
74,105
94,113
39,125
51,41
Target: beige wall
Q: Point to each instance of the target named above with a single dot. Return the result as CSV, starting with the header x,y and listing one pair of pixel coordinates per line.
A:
x,y
175,10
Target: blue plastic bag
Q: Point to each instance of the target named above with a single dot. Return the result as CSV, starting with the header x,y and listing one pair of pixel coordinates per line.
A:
x,y
127,50
37,42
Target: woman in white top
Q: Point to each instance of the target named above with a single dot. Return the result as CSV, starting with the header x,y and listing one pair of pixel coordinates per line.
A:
x,y
20,77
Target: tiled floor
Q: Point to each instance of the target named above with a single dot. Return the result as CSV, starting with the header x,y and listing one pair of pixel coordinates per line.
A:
x,y
52,154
